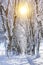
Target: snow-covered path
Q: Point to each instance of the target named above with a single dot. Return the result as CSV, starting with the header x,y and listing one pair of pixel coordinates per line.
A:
x,y
17,60
23,59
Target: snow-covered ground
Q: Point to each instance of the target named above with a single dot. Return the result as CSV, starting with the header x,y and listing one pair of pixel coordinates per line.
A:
x,y
23,59
16,60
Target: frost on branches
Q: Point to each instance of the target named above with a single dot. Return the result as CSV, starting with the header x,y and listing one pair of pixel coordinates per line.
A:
x,y
22,36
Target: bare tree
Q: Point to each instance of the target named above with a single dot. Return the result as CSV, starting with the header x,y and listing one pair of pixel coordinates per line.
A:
x,y
8,29
38,31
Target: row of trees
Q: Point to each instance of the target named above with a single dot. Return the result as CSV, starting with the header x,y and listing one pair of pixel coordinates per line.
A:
x,y
31,32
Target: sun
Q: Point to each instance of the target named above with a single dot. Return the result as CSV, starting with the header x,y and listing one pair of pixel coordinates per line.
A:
x,y
24,10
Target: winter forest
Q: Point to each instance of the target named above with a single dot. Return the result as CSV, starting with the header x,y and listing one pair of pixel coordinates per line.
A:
x,y
21,32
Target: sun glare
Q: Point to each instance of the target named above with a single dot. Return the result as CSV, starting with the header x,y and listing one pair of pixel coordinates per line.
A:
x,y
23,10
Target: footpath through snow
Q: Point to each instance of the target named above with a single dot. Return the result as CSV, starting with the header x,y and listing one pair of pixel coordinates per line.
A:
x,y
23,59
17,60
